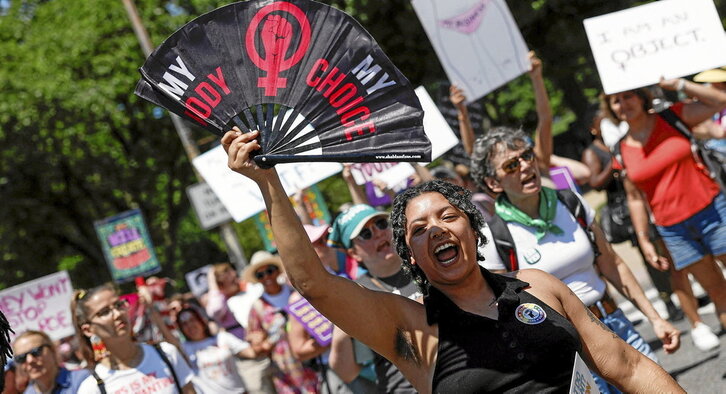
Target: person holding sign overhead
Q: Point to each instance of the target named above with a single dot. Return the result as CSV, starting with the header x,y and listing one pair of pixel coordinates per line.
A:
x,y
518,332
688,206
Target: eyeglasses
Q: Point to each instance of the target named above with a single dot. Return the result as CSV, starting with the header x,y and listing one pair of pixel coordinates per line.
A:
x,y
119,305
512,165
35,352
271,269
366,233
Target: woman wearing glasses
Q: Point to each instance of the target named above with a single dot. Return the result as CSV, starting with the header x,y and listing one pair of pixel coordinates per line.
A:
x,y
266,329
476,331
36,355
120,364
548,237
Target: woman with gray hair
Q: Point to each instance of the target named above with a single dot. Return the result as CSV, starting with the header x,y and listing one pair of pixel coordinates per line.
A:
x,y
547,236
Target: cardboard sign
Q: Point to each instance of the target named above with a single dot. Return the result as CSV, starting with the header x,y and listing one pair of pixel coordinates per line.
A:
x,y
241,196
210,211
127,246
477,42
582,381
669,38
197,280
41,304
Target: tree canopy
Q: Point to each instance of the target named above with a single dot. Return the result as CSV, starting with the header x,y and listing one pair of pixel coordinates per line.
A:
x,y
78,146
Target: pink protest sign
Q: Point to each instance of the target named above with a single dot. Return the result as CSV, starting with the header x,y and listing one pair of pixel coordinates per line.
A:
x,y
320,328
42,304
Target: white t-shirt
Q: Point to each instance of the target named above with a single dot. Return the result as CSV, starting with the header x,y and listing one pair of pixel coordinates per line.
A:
x,y
213,361
569,256
151,375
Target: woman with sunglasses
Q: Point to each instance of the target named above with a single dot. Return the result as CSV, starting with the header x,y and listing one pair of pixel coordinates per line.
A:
x,y
118,362
548,237
267,326
36,355
661,174
476,331
212,356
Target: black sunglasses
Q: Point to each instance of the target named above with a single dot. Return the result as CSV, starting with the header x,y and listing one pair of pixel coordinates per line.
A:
x,y
36,352
513,164
366,233
271,269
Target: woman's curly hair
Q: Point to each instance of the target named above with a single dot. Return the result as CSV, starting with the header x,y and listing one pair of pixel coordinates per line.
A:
x,y
457,196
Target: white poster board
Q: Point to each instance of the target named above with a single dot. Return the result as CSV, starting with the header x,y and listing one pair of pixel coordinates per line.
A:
x,y
477,42
42,304
437,129
240,195
670,38
210,211
582,381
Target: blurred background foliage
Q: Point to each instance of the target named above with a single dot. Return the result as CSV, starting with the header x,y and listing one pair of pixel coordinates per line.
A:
x,y
78,146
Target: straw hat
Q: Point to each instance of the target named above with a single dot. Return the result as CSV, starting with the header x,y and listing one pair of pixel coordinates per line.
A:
x,y
260,259
715,75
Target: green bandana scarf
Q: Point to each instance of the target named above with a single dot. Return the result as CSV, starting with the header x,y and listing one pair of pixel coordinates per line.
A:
x,y
547,209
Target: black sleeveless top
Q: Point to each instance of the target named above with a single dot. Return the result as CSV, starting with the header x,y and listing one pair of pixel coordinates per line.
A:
x,y
530,349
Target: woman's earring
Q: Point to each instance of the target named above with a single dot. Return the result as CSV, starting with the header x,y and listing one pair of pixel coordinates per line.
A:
x,y
99,348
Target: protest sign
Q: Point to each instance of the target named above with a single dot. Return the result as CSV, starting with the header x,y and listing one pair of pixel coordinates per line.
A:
x,y
41,304
477,42
582,381
438,131
127,246
240,195
210,211
197,280
670,38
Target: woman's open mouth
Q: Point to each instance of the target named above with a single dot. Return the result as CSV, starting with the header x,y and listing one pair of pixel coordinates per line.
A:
x,y
530,180
446,253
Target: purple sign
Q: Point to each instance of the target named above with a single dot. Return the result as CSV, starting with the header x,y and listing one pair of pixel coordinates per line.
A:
x,y
320,328
563,179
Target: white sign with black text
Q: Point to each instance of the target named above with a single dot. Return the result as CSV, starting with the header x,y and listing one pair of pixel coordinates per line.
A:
x,y
669,38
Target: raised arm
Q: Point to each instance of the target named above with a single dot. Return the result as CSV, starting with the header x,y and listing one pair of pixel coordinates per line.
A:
x,y
357,194
621,277
605,353
543,133
708,101
375,318
466,131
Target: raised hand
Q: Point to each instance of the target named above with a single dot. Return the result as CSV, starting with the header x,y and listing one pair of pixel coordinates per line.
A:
x,y
239,146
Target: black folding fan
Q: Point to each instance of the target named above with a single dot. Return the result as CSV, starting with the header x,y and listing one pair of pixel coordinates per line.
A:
x,y
307,75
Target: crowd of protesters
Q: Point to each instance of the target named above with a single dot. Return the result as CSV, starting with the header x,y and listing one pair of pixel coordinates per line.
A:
x,y
423,298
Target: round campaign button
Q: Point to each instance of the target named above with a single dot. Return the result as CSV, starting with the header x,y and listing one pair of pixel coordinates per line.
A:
x,y
530,313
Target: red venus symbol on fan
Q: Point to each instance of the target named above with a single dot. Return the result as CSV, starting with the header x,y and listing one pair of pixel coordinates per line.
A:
x,y
276,35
